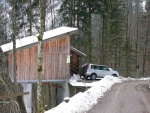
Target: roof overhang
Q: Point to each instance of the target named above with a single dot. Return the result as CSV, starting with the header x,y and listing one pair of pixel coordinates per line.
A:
x,y
32,40
78,52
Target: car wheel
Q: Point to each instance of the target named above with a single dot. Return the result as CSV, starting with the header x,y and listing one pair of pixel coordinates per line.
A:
x,y
93,76
86,77
114,75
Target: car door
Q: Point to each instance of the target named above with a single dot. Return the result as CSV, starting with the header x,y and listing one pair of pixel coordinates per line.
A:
x,y
100,71
94,69
105,71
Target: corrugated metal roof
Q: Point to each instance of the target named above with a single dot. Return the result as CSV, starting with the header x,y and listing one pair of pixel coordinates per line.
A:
x,y
49,35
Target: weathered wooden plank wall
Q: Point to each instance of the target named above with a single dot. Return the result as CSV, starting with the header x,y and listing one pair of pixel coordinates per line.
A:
x,y
74,64
54,61
74,59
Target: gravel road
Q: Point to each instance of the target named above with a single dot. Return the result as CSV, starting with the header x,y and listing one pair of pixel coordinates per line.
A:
x,y
128,97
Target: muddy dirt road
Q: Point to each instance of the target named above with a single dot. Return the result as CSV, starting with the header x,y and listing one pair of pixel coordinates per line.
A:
x,y
128,97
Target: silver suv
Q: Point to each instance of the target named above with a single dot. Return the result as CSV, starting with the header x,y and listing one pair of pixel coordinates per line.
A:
x,y
93,71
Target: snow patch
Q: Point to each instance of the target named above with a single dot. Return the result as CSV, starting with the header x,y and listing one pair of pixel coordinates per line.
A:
x,y
82,102
74,78
135,79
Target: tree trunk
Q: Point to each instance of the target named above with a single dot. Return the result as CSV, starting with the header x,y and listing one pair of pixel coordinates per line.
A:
x,y
19,103
30,20
103,43
145,47
51,3
137,39
127,42
40,57
107,35
14,46
90,34
54,18
52,96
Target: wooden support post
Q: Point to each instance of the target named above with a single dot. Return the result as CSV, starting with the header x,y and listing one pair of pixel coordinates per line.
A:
x,y
21,104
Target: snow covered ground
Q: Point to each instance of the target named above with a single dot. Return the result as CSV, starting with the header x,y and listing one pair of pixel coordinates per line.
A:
x,y
82,102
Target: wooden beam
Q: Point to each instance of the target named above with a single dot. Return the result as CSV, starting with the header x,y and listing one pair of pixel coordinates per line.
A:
x,y
14,95
4,102
21,104
53,85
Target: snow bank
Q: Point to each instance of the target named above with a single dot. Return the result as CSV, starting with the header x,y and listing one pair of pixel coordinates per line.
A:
x,y
76,81
82,102
134,79
74,78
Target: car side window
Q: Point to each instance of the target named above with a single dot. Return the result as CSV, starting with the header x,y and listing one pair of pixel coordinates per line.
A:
x,y
100,67
94,67
105,68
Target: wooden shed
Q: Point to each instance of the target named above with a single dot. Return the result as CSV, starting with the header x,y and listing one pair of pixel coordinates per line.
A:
x,y
59,59
56,50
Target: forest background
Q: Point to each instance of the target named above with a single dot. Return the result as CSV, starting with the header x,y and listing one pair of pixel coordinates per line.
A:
x,y
111,32
115,33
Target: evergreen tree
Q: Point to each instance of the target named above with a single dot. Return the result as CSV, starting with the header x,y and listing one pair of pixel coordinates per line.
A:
x,y
78,13
112,23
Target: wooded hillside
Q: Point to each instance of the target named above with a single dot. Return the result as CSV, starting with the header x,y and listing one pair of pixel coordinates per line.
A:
x,y
115,33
